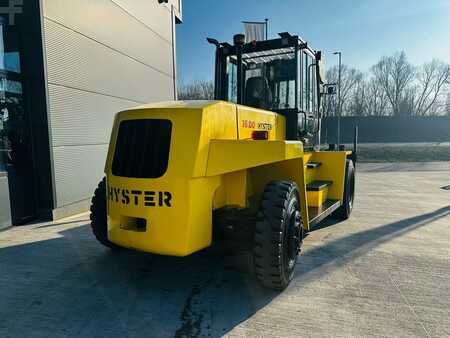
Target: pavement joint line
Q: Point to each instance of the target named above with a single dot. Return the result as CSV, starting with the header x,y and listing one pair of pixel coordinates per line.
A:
x,y
68,218
353,274
411,308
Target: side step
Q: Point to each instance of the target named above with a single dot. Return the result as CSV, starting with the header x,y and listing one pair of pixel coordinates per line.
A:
x,y
317,214
318,185
317,192
313,165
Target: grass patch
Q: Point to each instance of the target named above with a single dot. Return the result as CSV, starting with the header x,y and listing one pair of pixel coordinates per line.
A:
x,y
404,152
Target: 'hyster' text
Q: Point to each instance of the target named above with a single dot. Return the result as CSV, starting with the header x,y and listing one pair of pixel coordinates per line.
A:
x,y
139,197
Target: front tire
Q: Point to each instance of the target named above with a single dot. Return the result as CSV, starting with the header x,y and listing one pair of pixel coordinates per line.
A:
x,y
346,208
278,235
98,217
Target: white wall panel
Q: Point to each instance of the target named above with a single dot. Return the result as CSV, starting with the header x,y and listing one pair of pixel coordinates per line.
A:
x,y
78,62
78,117
78,169
110,24
5,207
149,13
102,57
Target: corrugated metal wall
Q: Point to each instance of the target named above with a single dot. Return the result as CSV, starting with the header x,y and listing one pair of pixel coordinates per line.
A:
x,y
102,56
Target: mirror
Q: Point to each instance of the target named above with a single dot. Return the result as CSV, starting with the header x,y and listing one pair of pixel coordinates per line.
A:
x,y
330,89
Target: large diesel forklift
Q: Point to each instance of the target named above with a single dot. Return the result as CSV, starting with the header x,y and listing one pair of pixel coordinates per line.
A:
x,y
245,167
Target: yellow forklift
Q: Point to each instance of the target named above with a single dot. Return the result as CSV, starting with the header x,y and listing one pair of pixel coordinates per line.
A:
x,y
247,167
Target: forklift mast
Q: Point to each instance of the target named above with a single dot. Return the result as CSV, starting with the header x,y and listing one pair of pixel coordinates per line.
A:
x,y
283,75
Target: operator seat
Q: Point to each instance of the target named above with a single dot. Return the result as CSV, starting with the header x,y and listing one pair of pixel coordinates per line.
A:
x,y
258,93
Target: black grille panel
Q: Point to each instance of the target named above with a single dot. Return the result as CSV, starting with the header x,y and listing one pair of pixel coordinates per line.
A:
x,y
142,148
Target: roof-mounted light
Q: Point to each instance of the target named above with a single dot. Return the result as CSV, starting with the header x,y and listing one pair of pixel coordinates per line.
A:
x,y
239,39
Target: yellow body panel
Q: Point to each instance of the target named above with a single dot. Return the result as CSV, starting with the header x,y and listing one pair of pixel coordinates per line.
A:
x,y
227,156
284,170
213,163
233,190
332,169
250,119
317,198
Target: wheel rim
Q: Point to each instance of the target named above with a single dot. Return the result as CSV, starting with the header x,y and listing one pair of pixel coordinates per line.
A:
x,y
292,240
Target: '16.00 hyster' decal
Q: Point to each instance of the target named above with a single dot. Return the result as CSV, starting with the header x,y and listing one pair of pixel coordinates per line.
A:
x,y
139,197
249,124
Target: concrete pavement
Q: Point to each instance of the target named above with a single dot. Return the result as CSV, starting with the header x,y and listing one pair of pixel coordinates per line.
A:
x,y
384,272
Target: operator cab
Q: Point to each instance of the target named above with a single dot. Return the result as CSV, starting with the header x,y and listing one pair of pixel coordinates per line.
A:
x,y
282,75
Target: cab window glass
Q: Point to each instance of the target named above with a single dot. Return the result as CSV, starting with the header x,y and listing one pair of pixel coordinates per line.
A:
x,y
312,87
305,84
231,79
309,96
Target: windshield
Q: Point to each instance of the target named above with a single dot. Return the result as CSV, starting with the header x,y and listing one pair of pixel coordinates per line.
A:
x,y
269,79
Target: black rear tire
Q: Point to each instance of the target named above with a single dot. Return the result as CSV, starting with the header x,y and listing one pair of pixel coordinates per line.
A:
x,y
278,235
346,208
99,222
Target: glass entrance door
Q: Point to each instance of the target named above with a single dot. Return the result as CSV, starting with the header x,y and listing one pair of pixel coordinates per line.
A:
x,y
15,142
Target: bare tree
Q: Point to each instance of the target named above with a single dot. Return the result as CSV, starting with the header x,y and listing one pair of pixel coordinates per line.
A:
x,y
377,101
406,104
394,74
197,90
349,79
431,80
394,87
358,100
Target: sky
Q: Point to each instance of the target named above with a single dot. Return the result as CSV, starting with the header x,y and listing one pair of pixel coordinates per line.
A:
x,y
363,30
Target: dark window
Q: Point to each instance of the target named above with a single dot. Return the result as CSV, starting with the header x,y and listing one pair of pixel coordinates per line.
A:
x,y
9,49
142,148
14,143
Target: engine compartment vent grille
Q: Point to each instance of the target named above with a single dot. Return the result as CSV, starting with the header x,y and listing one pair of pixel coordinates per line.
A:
x,y
142,148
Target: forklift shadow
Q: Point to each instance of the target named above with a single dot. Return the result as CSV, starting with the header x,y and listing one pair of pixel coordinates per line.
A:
x,y
327,222
336,253
71,286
